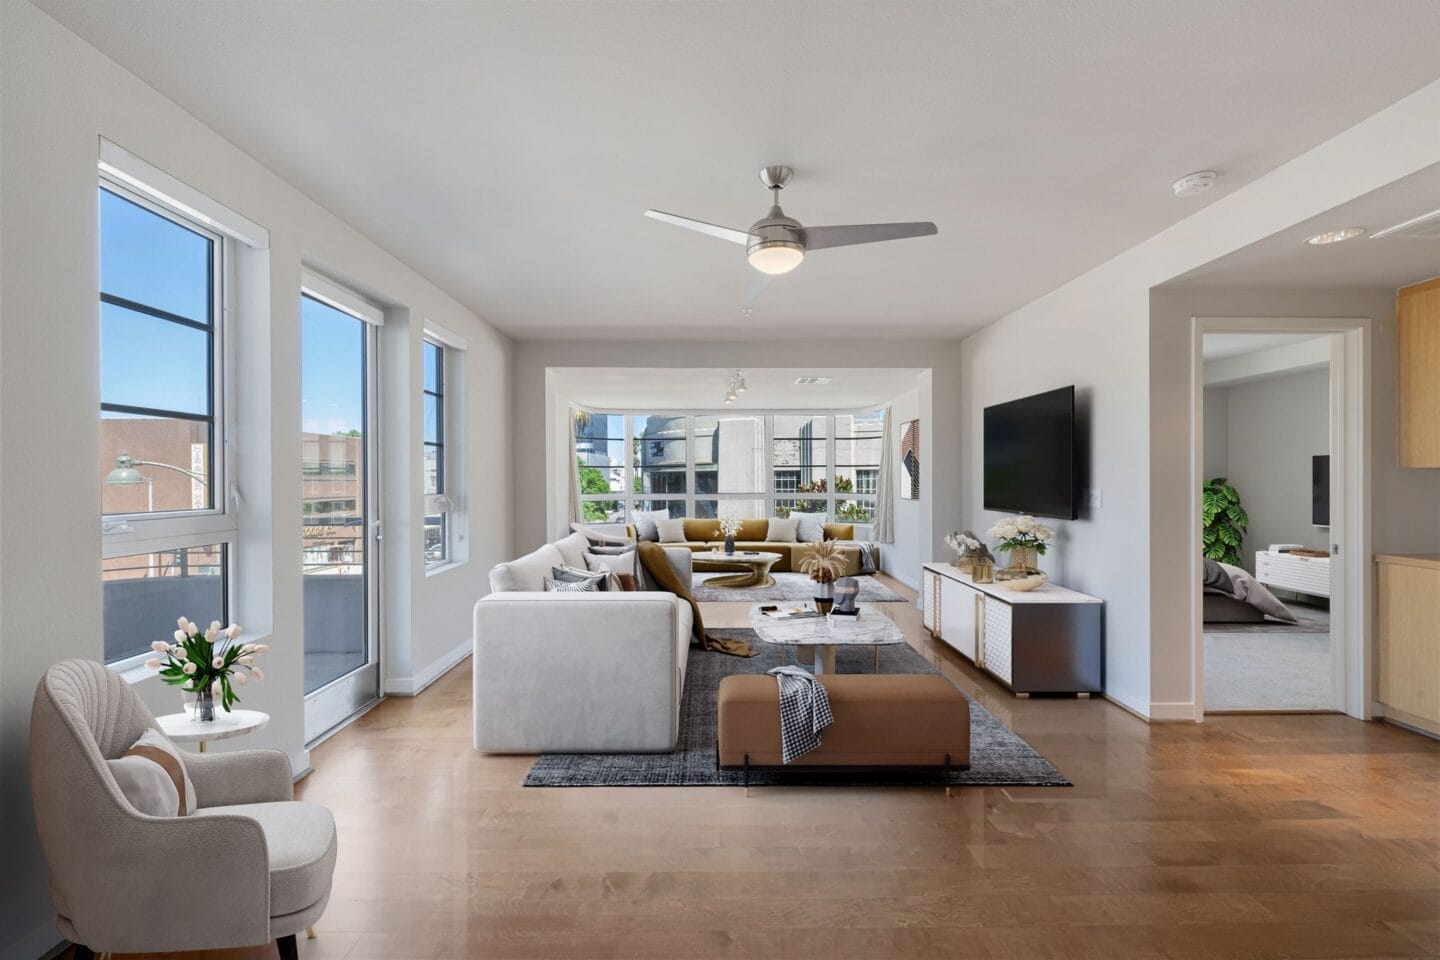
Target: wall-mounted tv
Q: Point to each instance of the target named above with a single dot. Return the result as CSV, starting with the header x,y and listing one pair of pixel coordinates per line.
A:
x,y
1030,455
1320,490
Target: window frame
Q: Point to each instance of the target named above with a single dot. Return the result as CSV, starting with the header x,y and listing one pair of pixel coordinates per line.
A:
x,y
450,501
438,502
135,534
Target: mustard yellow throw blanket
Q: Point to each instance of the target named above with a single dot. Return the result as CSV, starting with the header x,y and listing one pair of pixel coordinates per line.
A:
x,y
652,556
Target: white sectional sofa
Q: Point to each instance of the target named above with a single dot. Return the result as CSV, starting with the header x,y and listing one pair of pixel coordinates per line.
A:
x,y
577,672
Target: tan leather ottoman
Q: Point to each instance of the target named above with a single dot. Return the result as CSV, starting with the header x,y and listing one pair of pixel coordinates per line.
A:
x,y
884,720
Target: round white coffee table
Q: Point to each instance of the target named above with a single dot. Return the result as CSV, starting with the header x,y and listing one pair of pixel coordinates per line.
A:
x,y
815,638
758,562
183,728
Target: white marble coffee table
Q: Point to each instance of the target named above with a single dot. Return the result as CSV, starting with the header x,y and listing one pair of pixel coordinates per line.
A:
x,y
816,638
758,562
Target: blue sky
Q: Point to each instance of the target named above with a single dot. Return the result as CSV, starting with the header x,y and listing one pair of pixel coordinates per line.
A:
x,y
150,362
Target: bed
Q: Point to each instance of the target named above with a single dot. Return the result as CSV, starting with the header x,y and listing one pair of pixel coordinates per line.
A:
x,y
1231,595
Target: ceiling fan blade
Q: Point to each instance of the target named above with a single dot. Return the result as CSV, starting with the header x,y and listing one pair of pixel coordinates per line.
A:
x,y
818,238
700,226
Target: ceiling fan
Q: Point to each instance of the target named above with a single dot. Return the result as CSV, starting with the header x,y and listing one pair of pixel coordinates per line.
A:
x,y
776,243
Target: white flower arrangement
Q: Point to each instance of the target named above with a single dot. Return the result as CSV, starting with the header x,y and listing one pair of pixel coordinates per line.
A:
x,y
1018,533
207,659
729,523
961,543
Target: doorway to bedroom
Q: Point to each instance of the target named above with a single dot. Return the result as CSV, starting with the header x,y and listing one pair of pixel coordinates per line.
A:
x,y
1267,585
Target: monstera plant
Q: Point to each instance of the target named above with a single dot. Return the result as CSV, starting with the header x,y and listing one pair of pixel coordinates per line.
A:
x,y
1225,521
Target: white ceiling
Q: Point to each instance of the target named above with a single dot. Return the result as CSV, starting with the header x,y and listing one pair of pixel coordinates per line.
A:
x,y
1284,261
507,150
643,388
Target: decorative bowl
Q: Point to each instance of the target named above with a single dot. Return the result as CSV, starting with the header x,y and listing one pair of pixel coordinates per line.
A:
x,y
1025,584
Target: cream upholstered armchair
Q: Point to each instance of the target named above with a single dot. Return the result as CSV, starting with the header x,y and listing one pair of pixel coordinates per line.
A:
x,y
249,865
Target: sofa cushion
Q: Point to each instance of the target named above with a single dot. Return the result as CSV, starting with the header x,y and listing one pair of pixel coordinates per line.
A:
x,y
527,572
300,840
839,531
613,565
783,530
811,528
645,521
672,531
573,549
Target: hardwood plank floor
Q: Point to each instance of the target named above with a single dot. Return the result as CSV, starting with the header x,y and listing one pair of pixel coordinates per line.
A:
x,y
1247,836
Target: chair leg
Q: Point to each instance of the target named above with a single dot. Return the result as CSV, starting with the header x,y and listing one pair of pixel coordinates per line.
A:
x,y
288,949
310,933
83,952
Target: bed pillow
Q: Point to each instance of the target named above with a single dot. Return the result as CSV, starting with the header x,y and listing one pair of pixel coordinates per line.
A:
x,y
152,776
646,521
671,531
811,526
1215,580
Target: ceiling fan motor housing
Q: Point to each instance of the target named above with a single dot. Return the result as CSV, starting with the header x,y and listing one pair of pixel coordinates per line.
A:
x,y
776,230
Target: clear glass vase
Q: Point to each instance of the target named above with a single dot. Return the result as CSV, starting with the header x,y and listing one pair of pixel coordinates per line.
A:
x,y
200,705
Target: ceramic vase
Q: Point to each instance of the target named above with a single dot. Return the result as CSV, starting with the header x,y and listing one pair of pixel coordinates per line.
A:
x,y
730,544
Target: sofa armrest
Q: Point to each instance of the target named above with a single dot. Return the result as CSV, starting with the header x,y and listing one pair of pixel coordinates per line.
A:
x,y
240,776
579,672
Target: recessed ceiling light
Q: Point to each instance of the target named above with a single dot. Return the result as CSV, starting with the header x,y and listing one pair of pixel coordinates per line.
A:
x,y
1335,236
812,381
1193,184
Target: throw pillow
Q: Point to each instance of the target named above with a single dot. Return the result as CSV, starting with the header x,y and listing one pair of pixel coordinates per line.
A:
x,y
600,538
153,778
811,526
613,566
564,574
629,583
783,531
609,551
579,586
646,521
671,531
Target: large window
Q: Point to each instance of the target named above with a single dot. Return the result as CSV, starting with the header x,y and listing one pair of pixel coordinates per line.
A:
x,y
704,464
437,514
600,459
167,532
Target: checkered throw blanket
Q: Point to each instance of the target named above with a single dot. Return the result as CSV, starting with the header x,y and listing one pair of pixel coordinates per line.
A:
x,y
804,712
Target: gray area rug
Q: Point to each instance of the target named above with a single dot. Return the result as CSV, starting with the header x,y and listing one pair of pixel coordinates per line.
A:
x,y
1267,667
789,587
998,756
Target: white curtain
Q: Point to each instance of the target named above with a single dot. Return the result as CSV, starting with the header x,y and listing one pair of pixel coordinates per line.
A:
x,y
885,488
575,515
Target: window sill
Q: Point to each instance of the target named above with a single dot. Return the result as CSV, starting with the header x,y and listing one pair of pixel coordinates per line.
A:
x,y
445,567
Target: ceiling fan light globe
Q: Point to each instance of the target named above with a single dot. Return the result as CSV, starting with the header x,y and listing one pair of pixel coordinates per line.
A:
x,y
775,257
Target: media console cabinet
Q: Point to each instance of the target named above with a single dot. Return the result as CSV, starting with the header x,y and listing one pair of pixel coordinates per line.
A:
x,y
1049,640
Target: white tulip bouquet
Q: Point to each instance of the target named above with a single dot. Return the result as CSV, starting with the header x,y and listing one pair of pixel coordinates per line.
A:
x,y
208,661
1021,533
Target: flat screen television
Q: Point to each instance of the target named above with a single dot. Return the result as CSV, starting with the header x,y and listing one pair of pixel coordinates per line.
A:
x,y
1030,455
1320,490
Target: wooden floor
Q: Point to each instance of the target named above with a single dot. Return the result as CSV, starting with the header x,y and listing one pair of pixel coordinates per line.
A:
x,y
1247,836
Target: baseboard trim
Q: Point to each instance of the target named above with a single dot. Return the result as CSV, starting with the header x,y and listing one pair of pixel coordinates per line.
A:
x,y
1173,713
413,686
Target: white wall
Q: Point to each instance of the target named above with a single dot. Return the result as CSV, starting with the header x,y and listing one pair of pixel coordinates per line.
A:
x,y
1097,332
58,96
1217,435
903,558
1272,429
540,418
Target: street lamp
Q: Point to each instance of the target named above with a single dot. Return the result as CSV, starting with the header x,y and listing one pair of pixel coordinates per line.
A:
x,y
125,475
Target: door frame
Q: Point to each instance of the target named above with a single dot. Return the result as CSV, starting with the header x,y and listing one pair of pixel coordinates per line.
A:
x,y
1350,492
329,708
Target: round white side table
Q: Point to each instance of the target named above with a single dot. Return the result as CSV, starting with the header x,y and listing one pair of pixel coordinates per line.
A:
x,y
183,728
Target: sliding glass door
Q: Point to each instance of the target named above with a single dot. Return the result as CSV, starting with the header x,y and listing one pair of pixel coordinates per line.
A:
x,y
340,526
